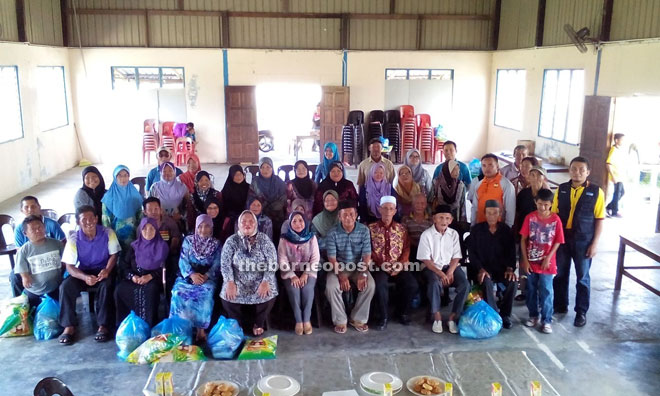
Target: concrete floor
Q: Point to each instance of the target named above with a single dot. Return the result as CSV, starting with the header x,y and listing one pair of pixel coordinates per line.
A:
x,y
617,353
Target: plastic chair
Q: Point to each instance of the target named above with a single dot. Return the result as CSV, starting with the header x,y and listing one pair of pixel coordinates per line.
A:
x,y
406,111
182,147
141,182
392,116
51,386
426,144
312,170
408,134
287,169
422,120
347,142
149,126
438,146
68,221
5,248
167,128
377,116
50,213
149,144
252,170
355,117
167,141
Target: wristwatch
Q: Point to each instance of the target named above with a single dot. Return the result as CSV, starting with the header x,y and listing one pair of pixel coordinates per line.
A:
x,y
364,274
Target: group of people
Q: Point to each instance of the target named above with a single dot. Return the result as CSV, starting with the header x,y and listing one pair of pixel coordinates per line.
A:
x,y
214,250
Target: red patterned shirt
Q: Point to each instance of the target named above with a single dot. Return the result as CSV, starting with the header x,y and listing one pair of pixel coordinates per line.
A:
x,y
389,243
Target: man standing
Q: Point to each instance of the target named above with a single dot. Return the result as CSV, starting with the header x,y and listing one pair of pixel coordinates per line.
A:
x,y
512,171
347,245
616,161
449,150
375,148
440,251
390,250
580,205
493,186
492,250
164,155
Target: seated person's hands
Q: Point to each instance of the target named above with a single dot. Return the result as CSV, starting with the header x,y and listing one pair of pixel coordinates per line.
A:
x,y
344,283
91,280
482,275
362,282
197,279
264,289
510,275
27,280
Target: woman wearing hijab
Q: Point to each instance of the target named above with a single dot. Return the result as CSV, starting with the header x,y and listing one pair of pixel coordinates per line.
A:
x,y
92,191
141,274
301,188
330,155
448,189
336,181
420,175
272,190
264,223
173,195
406,189
212,209
375,187
326,220
203,191
188,177
122,207
298,205
234,194
249,261
199,270
298,257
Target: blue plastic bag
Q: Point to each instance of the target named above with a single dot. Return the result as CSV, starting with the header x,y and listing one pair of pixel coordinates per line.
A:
x,y
474,167
46,323
175,325
479,321
225,338
132,332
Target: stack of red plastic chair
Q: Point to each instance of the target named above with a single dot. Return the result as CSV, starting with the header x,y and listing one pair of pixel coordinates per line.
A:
x,y
408,135
425,136
149,139
167,135
182,148
407,111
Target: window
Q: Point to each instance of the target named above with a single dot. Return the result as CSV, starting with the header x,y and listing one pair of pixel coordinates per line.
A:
x,y
10,105
130,77
418,74
561,105
510,98
53,111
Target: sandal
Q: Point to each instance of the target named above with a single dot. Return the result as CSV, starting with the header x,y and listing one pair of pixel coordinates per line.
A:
x,y
360,327
340,329
257,331
66,339
101,336
307,329
299,329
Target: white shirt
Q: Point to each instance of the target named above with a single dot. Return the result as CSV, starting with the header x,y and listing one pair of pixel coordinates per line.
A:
x,y
439,248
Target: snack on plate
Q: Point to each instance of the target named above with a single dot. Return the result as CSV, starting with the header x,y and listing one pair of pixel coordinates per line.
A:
x,y
218,389
428,386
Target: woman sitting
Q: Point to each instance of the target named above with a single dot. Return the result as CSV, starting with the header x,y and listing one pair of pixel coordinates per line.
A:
x,y
264,224
335,181
448,189
249,261
122,207
234,195
199,270
420,175
173,195
272,191
298,256
330,155
212,209
141,274
203,192
92,191
326,220
301,188
297,205
375,187
406,188
188,177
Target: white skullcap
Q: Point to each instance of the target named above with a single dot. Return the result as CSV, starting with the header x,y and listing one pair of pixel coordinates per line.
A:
x,y
387,199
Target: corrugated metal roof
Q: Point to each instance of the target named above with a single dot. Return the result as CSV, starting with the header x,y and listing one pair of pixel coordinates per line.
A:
x,y
234,5
633,19
184,31
577,13
126,4
380,34
282,33
518,24
340,6
456,34
109,30
8,28
43,22
463,7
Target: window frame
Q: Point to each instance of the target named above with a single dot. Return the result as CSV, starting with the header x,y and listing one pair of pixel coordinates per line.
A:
x,y
497,81
66,99
538,132
137,74
20,105
407,70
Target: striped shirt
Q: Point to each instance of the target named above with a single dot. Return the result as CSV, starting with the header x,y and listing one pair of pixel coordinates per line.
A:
x,y
415,228
349,248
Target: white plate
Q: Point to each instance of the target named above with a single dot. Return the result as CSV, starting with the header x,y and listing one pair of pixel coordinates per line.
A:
x,y
374,381
411,383
237,389
366,392
278,385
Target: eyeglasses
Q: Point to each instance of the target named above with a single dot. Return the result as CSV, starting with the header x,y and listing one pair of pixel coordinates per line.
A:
x,y
163,154
415,156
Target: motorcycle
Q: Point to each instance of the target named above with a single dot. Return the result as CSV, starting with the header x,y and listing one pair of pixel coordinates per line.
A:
x,y
266,141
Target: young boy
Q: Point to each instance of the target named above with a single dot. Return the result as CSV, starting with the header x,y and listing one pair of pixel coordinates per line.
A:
x,y
190,131
541,234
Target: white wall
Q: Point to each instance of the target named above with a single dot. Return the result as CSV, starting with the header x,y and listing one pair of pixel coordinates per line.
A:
x,y
38,155
472,74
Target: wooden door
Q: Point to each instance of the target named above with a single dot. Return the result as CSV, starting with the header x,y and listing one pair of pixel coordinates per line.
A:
x,y
334,113
595,141
242,133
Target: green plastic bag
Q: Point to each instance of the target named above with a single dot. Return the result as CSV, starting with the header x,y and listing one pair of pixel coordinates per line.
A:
x,y
15,317
262,348
154,348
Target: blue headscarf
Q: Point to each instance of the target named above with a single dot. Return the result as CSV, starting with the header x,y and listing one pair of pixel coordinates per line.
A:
x,y
324,167
298,237
271,188
123,202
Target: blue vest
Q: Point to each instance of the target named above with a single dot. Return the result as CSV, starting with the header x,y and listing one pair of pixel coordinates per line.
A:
x,y
583,218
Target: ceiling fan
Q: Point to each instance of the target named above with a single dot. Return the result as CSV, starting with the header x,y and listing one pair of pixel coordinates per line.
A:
x,y
581,37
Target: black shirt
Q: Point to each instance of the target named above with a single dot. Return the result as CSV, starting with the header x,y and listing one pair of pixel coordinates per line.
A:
x,y
492,252
525,205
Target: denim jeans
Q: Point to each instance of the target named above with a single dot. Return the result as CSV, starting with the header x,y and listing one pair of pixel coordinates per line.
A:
x,y
618,193
576,251
541,284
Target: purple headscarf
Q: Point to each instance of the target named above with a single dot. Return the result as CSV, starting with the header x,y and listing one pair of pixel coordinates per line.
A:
x,y
170,193
203,247
149,254
376,190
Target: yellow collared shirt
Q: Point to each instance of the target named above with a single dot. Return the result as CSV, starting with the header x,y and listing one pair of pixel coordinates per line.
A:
x,y
576,193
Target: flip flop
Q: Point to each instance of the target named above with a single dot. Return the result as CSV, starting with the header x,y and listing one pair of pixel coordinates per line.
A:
x,y
101,336
340,329
257,331
362,328
66,339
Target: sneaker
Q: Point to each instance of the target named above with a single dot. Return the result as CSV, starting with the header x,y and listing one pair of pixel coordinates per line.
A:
x,y
452,327
546,328
532,322
437,326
